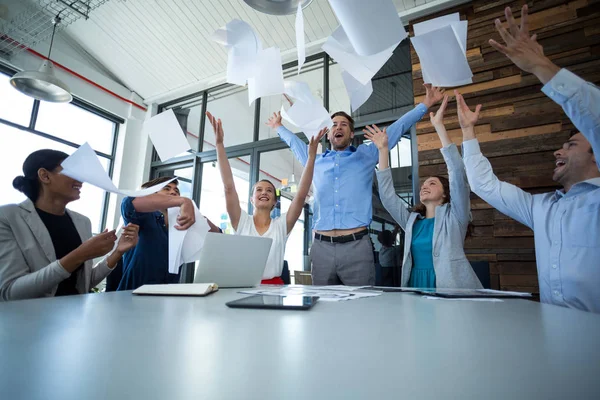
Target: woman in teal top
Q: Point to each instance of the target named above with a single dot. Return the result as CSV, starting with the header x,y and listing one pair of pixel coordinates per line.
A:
x,y
436,228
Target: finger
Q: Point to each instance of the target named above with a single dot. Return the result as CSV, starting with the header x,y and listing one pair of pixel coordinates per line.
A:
x,y
370,129
502,49
444,104
376,128
508,39
278,114
512,24
477,109
534,37
524,29
427,86
368,135
459,100
431,116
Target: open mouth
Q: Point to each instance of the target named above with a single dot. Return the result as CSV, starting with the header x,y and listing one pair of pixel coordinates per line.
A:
x,y
263,198
77,187
559,164
338,135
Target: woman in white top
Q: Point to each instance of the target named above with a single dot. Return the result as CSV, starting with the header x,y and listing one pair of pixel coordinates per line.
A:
x,y
264,199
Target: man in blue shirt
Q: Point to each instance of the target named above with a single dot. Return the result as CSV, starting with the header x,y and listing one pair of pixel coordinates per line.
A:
x,y
565,223
342,252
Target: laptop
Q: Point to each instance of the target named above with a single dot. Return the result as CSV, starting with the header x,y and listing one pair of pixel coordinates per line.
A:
x,y
233,261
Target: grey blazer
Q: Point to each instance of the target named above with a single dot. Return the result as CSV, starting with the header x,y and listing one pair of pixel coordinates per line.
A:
x,y
28,265
452,269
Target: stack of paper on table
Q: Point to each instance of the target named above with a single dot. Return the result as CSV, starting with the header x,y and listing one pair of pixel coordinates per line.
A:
x,y
441,45
323,292
178,289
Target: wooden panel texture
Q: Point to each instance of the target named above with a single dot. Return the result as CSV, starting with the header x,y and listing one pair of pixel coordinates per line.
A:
x,y
519,128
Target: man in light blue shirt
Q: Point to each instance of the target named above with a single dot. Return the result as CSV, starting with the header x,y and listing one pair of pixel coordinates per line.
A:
x,y
566,223
342,252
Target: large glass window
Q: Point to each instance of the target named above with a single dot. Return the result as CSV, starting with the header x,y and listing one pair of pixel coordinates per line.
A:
x,y
55,126
188,115
212,196
231,106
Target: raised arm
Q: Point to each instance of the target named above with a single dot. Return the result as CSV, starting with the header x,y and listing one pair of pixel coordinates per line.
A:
x,y
460,203
579,99
157,201
387,193
298,203
298,147
232,200
506,198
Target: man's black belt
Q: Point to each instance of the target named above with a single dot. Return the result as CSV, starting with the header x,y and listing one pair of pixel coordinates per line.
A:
x,y
342,239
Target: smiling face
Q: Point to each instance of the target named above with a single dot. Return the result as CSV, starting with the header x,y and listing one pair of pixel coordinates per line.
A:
x,y
341,134
170,190
574,162
264,195
57,185
432,191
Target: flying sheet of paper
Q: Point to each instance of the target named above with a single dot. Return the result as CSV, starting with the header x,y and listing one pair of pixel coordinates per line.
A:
x,y
83,165
300,45
309,117
361,68
166,135
459,29
268,77
357,92
441,55
185,246
372,26
299,91
244,46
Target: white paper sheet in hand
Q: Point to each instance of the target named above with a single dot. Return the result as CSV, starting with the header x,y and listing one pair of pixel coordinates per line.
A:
x,y
300,45
166,135
360,67
441,55
268,77
372,26
83,165
185,246
357,92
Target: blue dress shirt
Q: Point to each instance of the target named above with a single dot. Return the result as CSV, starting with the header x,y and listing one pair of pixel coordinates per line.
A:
x,y
566,226
343,180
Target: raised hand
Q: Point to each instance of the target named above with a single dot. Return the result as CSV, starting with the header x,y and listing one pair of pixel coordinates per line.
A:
x,y
522,49
275,121
217,126
314,142
187,215
128,239
433,94
437,119
377,136
466,117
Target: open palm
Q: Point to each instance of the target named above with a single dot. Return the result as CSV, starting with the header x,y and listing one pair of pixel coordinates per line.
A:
x,y
466,117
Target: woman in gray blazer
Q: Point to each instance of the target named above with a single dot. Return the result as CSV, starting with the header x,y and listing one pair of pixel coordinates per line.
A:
x,y
436,228
45,249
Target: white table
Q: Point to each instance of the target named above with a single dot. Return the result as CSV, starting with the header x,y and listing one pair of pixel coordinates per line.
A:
x,y
121,346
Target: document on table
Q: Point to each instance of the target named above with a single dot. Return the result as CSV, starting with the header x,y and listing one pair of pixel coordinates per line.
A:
x,y
84,166
324,294
166,135
491,300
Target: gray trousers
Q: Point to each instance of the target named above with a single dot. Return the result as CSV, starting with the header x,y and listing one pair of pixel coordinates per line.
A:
x,y
349,263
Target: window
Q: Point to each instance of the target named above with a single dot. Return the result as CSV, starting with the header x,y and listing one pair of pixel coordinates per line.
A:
x,y
231,105
58,127
212,196
188,115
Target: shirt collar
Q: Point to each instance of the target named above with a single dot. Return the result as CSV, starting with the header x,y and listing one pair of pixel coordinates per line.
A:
x,y
350,149
560,193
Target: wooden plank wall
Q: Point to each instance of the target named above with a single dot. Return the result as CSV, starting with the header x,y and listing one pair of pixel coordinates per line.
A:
x,y
519,128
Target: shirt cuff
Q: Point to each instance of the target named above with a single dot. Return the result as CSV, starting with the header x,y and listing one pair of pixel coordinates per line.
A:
x,y
562,86
421,107
61,270
282,130
471,148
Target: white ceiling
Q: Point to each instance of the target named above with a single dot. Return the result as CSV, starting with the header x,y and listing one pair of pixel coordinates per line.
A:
x,y
161,49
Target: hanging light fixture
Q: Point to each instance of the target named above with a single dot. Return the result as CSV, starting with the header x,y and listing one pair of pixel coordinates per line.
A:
x,y
43,84
277,7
